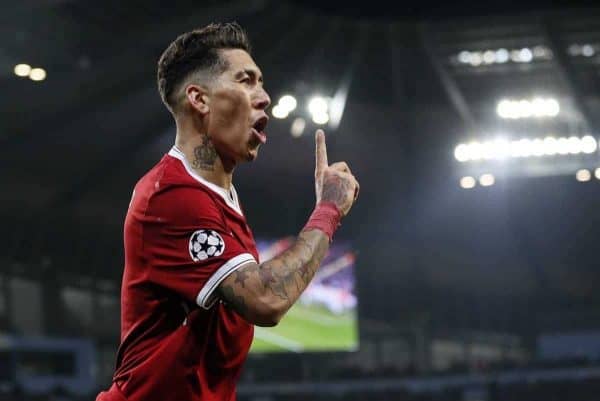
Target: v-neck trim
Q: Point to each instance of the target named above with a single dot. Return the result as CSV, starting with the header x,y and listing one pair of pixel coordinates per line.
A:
x,y
231,201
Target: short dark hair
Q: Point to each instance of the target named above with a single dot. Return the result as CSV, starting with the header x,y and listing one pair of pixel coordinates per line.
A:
x,y
195,51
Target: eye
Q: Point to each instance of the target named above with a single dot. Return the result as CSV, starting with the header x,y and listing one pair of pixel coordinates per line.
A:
x,y
245,80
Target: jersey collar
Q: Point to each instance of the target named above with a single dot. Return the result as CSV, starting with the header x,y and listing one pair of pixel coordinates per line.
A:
x,y
222,192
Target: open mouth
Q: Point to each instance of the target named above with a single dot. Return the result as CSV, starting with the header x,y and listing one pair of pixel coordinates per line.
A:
x,y
258,129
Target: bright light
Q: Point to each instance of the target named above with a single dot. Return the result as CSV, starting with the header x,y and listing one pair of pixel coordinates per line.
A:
x,y
587,50
563,146
476,59
318,105
487,180
541,52
550,146
588,144
464,57
37,74
489,57
297,128
526,108
505,109
515,56
583,175
525,55
521,148
461,153
499,149
597,173
574,145
552,107
475,151
537,147
320,118
467,182
22,70
279,112
575,50
288,102
502,56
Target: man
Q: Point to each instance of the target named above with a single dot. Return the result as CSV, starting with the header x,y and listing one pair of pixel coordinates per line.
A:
x,y
192,285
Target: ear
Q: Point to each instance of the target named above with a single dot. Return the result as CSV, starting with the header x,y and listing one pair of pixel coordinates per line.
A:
x,y
197,97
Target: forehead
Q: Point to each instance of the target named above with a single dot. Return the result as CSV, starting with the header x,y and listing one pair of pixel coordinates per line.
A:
x,y
239,60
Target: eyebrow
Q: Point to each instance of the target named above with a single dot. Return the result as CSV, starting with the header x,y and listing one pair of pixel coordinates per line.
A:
x,y
250,72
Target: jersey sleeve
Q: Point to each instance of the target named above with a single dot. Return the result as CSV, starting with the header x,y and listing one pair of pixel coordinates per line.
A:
x,y
189,249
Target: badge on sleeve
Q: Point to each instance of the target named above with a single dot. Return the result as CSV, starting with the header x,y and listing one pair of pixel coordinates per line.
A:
x,y
205,244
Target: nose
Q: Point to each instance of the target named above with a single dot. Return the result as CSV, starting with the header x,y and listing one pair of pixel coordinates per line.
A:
x,y
261,99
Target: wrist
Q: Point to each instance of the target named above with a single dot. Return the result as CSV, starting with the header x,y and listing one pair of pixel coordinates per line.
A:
x,y
325,217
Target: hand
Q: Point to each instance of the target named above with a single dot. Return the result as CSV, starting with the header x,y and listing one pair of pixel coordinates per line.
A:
x,y
333,183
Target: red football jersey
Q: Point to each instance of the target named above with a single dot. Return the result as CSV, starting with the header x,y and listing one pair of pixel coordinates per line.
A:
x,y
183,236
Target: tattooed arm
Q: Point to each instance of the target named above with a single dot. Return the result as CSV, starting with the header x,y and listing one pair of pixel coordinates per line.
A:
x,y
262,293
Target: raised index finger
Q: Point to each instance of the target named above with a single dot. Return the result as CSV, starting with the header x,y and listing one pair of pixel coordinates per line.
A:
x,y
321,151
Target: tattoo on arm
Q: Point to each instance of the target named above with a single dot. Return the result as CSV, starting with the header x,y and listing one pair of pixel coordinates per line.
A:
x,y
287,275
205,155
237,301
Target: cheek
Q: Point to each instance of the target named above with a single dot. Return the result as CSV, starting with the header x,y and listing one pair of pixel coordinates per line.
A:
x,y
230,110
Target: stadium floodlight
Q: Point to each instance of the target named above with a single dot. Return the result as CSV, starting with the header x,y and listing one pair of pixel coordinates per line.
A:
x,y
552,107
502,56
476,59
288,102
550,146
487,180
497,149
37,74
537,147
520,148
574,49
297,128
318,105
467,182
279,112
574,145
500,149
525,55
464,57
583,175
489,57
527,108
22,70
541,52
461,153
587,50
320,118
563,146
589,144
597,173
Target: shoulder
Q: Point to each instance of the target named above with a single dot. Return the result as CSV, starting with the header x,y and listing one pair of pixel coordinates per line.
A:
x,y
183,202
168,194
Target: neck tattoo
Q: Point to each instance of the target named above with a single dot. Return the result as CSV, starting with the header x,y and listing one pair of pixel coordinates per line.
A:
x,y
205,155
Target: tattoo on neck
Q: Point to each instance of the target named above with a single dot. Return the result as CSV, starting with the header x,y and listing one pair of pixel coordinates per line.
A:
x,y
205,155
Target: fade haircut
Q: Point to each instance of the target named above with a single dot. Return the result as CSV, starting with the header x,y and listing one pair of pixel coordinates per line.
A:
x,y
194,52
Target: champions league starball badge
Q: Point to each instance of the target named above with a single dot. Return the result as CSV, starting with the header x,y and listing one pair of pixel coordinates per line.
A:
x,y
205,244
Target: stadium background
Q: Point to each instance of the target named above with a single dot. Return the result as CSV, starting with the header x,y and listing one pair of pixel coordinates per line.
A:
x,y
487,293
